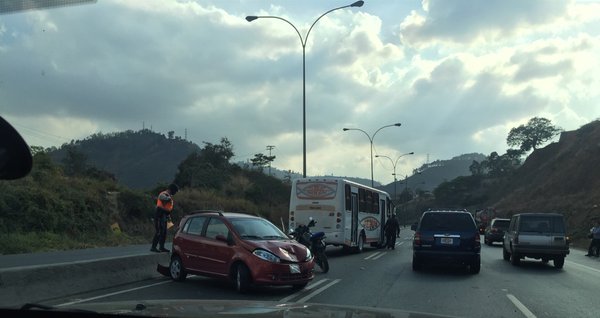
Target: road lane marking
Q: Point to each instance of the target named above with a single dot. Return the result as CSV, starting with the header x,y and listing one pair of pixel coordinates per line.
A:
x,y
112,294
400,243
520,306
309,287
378,256
373,255
583,266
318,291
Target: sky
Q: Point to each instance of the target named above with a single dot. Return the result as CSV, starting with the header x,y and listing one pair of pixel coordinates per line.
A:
x,y
457,75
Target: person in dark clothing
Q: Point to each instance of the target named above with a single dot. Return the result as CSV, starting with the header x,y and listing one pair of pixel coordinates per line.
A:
x,y
164,206
391,229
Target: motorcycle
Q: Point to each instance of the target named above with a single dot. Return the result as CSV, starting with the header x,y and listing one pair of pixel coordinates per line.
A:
x,y
314,242
595,246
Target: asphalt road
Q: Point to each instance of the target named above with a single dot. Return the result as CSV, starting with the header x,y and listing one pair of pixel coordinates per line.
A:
x,y
384,279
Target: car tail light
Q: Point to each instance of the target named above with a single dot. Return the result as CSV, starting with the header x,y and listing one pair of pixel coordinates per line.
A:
x,y
417,239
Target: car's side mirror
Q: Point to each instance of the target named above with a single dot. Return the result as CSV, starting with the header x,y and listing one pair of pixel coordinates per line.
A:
x,y
15,157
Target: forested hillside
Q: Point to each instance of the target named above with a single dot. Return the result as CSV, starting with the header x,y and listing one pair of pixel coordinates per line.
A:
x,y
138,159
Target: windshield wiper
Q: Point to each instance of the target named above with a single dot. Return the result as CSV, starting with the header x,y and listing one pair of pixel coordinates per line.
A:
x,y
251,237
273,237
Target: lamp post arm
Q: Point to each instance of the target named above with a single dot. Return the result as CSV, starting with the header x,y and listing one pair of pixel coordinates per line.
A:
x,y
302,40
319,18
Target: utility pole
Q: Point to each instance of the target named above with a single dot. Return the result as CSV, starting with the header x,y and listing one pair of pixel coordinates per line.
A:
x,y
269,148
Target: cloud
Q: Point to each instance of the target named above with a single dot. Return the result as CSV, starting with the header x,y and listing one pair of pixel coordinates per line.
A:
x,y
469,20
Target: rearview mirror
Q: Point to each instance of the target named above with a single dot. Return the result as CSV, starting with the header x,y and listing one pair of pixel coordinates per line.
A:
x,y
15,157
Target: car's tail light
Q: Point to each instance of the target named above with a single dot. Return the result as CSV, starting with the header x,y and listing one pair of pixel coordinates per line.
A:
x,y
417,239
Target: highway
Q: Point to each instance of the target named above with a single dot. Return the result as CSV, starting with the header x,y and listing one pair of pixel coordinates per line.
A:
x,y
384,279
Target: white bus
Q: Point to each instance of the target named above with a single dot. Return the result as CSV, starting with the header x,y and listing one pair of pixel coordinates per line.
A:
x,y
350,214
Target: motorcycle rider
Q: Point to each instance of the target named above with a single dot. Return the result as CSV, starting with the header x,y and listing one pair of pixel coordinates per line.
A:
x,y
595,236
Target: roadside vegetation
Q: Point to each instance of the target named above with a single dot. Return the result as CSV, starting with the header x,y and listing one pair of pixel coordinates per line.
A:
x,y
71,204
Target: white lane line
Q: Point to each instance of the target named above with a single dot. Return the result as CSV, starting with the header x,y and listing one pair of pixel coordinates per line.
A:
x,y
520,306
583,266
112,294
372,255
378,256
309,287
316,292
400,243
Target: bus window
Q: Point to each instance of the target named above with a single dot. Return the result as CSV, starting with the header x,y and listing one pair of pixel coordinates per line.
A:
x,y
361,200
369,202
375,209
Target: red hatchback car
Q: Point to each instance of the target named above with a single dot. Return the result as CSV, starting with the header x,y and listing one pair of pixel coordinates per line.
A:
x,y
247,249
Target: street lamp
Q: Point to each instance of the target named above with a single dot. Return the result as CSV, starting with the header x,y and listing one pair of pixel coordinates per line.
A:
x,y
303,42
371,140
394,163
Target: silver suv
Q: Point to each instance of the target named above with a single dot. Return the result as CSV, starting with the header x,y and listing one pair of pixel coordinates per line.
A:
x,y
536,235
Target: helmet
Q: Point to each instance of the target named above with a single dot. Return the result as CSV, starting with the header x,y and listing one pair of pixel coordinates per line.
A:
x,y
173,188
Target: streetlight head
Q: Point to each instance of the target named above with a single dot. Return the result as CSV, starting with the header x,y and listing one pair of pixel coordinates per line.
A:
x,y
357,4
345,129
397,124
411,153
251,18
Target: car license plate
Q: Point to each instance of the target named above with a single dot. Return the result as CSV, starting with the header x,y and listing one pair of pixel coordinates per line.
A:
x,y
294,268
447,240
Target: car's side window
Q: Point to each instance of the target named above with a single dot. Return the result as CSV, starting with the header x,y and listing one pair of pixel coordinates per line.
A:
x,y
195,225
216,227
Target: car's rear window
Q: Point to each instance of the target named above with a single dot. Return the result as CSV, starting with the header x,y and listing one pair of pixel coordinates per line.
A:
x,y
542,224
501,224
447,221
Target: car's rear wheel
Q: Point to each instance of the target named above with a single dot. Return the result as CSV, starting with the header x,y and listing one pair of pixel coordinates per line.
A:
x,y
559,262
416,265
595,251
505,254
242,278
475,267
176,269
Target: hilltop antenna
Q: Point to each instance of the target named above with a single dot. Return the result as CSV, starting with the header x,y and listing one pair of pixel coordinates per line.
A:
x,y
269,148
185,134
143,125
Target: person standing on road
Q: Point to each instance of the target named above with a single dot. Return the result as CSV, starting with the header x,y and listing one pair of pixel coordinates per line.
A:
x,y
391,229
164,206
595,236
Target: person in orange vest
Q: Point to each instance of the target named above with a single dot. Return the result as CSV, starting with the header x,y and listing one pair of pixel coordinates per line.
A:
x,y
164,206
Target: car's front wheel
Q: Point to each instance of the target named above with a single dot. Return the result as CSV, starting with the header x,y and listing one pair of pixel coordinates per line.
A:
x,y
242,278
176,269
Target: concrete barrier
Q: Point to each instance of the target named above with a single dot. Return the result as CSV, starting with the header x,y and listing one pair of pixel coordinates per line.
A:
x,y
20,285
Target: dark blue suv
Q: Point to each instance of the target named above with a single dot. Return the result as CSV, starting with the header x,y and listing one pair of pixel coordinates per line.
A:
x,y
447,237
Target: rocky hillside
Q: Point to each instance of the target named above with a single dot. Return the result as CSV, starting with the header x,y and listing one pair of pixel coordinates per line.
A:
x,y
562,177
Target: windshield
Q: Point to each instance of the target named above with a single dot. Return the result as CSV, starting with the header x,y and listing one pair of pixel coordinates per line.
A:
x,y
364,115
501,224
256,229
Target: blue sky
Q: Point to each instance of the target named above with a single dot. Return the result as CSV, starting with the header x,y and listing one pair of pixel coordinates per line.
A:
x,y
458,75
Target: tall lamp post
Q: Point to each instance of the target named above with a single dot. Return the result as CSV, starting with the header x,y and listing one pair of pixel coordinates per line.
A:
x,y
371,141
303,41
394,163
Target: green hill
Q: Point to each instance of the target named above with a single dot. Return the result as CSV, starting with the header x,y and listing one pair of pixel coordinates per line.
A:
x,y
137,159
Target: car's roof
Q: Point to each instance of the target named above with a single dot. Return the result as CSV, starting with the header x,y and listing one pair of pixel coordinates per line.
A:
x,y
500,219
447,211
540,214
223,213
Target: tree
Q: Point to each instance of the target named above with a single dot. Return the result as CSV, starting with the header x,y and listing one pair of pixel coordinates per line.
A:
x,y
260,160
75,161
536,132
210,168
